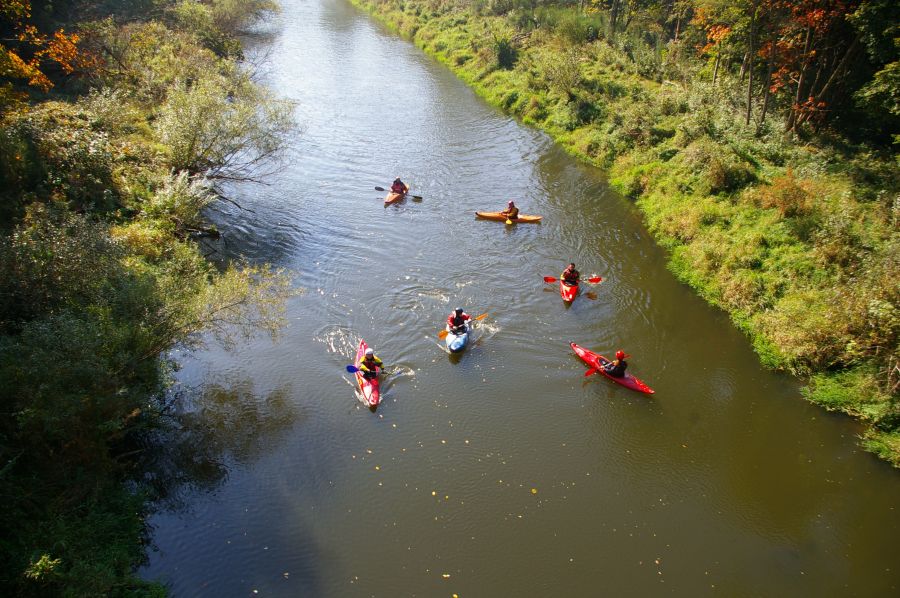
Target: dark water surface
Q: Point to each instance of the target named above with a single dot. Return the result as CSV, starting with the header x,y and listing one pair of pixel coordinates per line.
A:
x,y
504,472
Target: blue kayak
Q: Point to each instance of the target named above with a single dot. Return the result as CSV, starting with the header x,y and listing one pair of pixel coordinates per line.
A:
x,y
457,342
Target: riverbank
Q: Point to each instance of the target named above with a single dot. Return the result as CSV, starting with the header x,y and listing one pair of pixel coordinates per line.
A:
x,y
115,130
796,240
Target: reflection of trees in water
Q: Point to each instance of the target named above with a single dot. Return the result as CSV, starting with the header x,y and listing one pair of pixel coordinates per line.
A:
x,y
206,430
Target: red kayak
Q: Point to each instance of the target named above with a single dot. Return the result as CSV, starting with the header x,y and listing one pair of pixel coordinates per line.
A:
x,y
568,291
369,388
391,197
595,361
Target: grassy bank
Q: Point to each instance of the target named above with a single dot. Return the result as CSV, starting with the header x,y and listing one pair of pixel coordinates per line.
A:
x,y
113,133
795,236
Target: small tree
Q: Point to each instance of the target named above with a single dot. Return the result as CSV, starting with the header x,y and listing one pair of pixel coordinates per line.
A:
x,y
228,128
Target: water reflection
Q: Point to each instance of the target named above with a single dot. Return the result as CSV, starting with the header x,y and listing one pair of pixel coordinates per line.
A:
x,y
211,429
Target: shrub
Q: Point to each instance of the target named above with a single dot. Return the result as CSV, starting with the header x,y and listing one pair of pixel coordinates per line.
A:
x,y
505,52
787,194
228,128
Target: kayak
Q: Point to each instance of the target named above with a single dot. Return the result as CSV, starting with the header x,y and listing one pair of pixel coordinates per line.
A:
x,y
457,342
369,388
500,217
567,291
595,361
391,197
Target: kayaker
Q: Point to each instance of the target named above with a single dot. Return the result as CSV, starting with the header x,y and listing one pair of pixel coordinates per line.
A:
x,y
511,211
398,186
617,366
370,365
570,275
456,322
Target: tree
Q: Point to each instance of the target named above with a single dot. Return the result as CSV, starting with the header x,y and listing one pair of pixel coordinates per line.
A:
x,y
25,55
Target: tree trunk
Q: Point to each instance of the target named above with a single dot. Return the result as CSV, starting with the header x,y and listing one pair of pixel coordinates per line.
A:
x,y
743,68
769,70
716,68
750,61
792,117
835,74
613,17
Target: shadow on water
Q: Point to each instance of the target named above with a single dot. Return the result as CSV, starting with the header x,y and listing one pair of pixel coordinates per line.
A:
x,y
209,432
210,429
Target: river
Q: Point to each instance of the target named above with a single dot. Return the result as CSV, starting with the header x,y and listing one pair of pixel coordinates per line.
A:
x,y
502,471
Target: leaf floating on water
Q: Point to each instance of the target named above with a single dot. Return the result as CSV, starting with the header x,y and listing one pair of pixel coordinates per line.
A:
x,y
534,490
445,575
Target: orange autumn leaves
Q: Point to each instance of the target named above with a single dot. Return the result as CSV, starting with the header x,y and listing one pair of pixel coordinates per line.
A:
x,y
30,50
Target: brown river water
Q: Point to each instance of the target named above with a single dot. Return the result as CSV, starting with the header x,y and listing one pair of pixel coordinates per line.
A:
x,y
502,471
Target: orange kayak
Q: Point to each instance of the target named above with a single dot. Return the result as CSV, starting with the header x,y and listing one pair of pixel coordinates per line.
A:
x,y
391,197
502,218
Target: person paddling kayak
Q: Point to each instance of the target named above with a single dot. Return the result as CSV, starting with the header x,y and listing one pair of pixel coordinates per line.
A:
x,y
617,366
370,365
456,322
570,275
511,212
398,186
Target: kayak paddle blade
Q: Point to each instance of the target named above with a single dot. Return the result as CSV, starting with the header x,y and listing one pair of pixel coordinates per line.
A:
x,y
442,334
590,372
549,279
352,369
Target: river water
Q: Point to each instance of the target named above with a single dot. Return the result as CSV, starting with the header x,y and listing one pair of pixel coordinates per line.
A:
x,y
503,471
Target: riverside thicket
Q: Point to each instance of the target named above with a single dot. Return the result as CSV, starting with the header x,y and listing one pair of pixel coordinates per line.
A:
x,y
117,120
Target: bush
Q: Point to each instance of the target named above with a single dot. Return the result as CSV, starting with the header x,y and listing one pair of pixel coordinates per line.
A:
x,y
505,52
228,128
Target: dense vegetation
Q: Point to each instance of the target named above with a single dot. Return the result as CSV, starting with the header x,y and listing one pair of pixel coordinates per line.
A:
x,y
758,137
117,119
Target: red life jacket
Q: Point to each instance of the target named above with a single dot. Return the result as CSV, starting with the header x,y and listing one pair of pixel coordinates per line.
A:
x,y
453,321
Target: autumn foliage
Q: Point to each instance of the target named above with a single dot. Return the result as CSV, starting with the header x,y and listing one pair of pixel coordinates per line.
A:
x,y
26,52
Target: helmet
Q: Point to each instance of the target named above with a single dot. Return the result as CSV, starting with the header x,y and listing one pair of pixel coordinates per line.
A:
x,y
458,310
370,352
511,203
620,354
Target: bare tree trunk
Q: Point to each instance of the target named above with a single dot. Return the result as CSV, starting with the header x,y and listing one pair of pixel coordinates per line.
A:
x,y
835,75
718,60
768,84
750,60
792,117
613,17
743,67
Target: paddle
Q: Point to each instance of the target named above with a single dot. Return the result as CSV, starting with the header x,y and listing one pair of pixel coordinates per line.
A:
x,y
353,369
443,333
413,196
592,280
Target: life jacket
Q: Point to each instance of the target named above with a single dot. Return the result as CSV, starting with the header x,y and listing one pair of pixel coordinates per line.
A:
x,y
570,276
616,368
512,212
370,365
453,320
398,188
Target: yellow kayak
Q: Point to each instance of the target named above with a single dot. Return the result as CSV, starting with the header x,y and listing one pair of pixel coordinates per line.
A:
x,y
391,197
499,216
